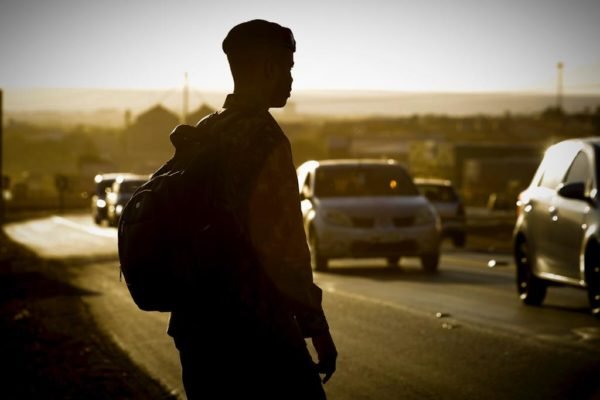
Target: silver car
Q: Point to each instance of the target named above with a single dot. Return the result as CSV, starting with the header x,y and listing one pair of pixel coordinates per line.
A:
x,y
366,208
557,234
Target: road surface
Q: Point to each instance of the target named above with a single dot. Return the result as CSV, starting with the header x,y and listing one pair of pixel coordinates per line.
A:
x,y
401,334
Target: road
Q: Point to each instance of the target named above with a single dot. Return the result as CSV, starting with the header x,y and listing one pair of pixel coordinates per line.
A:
x,y
460,334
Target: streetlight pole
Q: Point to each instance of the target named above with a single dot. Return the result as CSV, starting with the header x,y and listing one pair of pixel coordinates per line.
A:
x,y
1,162
559,86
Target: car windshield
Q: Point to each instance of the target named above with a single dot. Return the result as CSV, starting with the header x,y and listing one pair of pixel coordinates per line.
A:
x,y
438,193
102,186
363,180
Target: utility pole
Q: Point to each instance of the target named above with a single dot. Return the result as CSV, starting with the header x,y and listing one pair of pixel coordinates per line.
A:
x,y
1,162
559,86
185,99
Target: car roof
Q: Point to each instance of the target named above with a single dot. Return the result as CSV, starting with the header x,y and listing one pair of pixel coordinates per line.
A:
x,y
591,140
433,181
112,176
349,162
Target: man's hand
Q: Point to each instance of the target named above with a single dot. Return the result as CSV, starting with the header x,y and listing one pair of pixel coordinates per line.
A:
x,y
327,354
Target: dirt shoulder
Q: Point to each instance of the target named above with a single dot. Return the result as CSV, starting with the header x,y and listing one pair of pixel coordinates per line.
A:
x,y
51,347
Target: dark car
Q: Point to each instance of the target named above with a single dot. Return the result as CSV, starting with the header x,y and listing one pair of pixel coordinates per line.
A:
x,y
103,185
444,197
557,233
121,191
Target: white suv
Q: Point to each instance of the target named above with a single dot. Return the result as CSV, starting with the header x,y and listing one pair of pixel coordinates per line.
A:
x,y
366,208
557,234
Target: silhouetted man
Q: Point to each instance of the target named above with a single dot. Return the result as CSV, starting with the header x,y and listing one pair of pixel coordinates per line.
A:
x,y
246,332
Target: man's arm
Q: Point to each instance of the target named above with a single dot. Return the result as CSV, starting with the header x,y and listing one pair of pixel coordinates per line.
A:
x,y
277,234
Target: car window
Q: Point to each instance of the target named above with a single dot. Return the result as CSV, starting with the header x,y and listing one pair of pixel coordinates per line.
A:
x,y
306,186
358,181
438,193
104,186
555,168
579,170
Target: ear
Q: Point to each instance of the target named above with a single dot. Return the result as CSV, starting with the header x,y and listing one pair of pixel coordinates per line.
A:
x,y
270,69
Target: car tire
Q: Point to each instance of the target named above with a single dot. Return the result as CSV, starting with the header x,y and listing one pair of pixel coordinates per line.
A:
x,y
592,277
459,239
97,220
430,262
531,289
317,262
393,262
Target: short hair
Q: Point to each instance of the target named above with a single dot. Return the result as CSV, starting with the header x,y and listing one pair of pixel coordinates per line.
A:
x,y
253,41
258,33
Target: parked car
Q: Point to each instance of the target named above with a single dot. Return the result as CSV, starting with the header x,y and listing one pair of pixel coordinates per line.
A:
x,y
121,191
103,185
449,205
366,208
557,233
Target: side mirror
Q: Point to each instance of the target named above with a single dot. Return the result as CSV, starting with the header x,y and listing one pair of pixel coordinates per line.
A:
x,y
575,190
305,194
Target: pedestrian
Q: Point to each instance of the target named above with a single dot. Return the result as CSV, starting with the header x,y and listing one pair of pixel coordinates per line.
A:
x,y
246,332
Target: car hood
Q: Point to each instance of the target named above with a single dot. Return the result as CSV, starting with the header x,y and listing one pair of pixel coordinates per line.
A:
x,y
446,209
374,206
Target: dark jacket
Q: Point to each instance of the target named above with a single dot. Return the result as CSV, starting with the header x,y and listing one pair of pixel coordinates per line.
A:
x,y
269,292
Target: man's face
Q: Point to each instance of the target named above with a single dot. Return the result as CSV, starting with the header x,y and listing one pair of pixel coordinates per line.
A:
x,y
281,78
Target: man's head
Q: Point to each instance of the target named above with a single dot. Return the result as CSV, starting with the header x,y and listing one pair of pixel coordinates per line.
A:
x,y
261,56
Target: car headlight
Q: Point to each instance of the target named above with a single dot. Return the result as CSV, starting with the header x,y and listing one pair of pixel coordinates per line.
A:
x,y
336,218
427,216
100,203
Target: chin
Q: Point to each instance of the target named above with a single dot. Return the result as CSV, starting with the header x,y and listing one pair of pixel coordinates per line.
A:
x,y
279,103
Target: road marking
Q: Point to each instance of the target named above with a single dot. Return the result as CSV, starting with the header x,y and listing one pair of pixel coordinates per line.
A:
x,y
93,230
504,260
328,287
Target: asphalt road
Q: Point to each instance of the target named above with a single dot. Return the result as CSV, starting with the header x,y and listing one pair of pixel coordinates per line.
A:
x,y
460,334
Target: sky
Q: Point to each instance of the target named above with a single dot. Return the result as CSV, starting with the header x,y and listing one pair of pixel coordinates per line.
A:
x,y
389,45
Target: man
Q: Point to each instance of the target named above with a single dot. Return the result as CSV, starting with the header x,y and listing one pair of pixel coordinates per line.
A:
x,y
245,332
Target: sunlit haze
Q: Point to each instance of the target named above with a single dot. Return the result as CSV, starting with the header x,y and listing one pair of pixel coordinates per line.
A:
x,y
443,46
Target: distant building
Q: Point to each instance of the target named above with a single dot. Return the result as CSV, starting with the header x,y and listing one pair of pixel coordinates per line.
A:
x,y
201,112
478,170
146,140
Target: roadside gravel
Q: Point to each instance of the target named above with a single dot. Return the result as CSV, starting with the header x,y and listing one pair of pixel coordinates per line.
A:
x,y
51,347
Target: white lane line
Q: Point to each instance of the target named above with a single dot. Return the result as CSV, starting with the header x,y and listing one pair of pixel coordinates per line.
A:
x,y
328,287
93,230
502,260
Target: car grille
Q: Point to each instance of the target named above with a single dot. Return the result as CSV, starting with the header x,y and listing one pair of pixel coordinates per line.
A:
x,y
406,246
366,222
363,222
403,221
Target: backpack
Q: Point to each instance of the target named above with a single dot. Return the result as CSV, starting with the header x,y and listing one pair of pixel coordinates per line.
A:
x,y
172,221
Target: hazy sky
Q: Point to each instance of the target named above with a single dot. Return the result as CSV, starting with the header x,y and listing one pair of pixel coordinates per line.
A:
x,y
414,45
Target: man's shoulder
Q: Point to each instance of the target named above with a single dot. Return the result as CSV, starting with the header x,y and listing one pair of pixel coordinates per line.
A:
x,y
257,126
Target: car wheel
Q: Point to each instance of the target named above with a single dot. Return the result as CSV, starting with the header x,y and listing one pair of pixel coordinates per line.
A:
x,y
531,289
97,220
592,272
459,239
318,262
430,261
392,262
